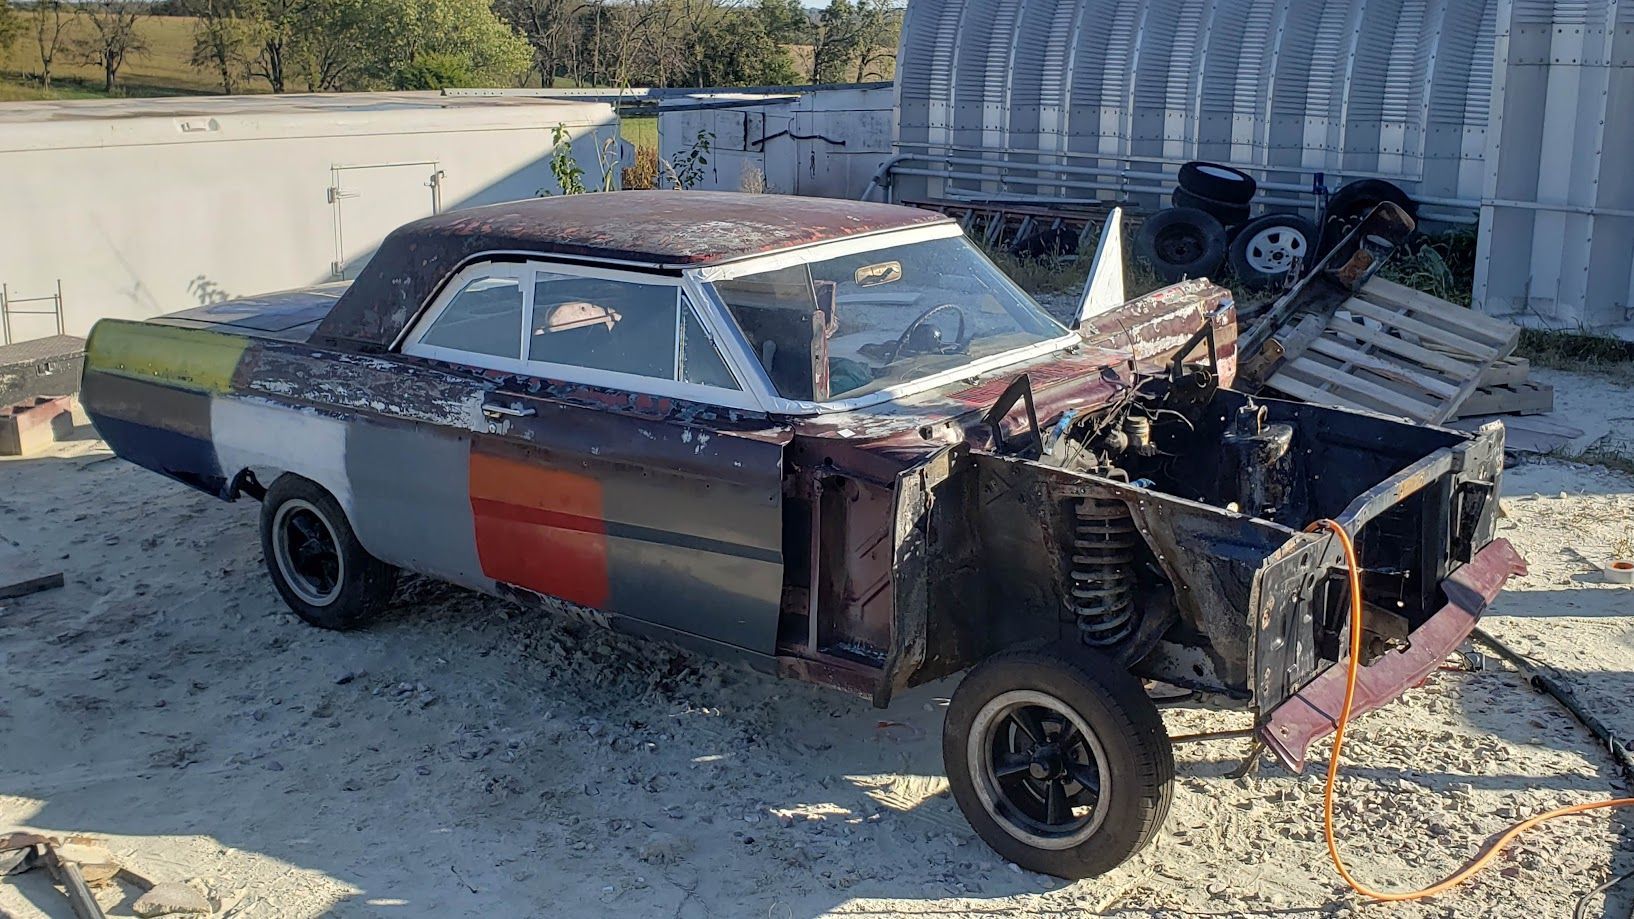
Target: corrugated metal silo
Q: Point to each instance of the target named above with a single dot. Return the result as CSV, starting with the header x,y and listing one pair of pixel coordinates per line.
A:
x,y
1519,111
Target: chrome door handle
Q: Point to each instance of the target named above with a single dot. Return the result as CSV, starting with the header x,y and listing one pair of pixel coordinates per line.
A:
x,y
500,408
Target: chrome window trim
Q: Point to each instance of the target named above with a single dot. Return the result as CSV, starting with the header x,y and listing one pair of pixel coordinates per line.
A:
x,y
817,252
745,399
703,278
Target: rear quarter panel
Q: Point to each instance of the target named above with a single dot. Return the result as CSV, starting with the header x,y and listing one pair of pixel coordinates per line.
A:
x,y
197,406
149,391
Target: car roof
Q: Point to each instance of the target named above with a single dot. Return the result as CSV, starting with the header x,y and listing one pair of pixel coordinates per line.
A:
x,y
665,228
669,230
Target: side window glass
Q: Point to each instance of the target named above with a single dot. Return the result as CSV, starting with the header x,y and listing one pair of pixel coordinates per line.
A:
x,y
701,360
604,325
485,317
774,310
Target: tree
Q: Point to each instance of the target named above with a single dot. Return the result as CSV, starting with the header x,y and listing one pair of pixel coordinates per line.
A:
x,y
277,23
839,33
223,39
464,40
11,25
879,27
342,45
336,50
112,36
51,19
785,20
739,50
551,28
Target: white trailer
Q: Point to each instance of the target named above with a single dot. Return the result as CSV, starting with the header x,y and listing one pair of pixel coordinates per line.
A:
x,y
136,207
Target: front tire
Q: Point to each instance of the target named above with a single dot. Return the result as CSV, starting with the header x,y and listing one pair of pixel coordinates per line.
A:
x,y
1059,760
315,560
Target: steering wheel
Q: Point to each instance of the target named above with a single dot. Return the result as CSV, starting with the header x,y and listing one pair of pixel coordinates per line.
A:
x,y
907,333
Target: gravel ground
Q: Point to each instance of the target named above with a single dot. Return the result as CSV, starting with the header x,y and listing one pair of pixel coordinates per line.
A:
x,y
464,758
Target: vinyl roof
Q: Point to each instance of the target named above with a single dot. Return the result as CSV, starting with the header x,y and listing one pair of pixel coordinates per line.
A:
x,y
651,229
669,228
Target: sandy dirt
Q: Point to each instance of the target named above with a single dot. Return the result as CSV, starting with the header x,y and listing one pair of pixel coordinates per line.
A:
x,y
464,758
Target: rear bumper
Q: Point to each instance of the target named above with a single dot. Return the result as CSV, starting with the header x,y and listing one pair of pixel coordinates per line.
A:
x,y
1313,712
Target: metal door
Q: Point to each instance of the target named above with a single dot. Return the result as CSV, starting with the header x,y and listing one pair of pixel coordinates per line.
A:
x,y
372,200
628,504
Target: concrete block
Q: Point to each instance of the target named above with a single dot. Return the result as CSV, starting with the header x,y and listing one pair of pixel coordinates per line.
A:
x,y
28,426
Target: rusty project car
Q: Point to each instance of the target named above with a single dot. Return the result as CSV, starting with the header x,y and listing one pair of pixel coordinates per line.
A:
x,y
832,440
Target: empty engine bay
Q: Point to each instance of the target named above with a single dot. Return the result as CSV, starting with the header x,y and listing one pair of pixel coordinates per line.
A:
x,y
1161,527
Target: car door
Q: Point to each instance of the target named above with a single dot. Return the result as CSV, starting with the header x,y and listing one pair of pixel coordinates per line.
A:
x,y
408,445
619,464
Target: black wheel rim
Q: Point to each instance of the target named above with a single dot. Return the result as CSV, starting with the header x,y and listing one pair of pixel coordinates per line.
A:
x,y
1040,772
307,553
1179,245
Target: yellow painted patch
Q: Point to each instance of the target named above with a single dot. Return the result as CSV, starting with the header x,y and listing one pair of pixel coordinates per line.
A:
x,y
188,358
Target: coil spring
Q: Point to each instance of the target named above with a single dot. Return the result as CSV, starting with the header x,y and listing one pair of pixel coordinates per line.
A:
x,y
1102,560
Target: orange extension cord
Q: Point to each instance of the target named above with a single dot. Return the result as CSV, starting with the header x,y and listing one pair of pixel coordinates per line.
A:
x,y
1484,858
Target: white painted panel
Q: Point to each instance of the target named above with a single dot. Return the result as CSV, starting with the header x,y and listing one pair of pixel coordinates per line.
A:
x,y
825,143
255,435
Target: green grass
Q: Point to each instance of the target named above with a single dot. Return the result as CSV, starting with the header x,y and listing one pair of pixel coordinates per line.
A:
x,y
1579,353
640,130
13,89
163,70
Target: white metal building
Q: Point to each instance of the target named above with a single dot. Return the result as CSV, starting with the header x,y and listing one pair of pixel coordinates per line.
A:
x,y
821,141
1517,115
143,206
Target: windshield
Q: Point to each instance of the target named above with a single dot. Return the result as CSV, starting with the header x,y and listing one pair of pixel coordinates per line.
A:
x,y
853,324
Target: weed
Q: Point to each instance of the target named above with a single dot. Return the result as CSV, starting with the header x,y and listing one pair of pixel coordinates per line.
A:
x,y
643,173
1623,546
1441,265
563,165
687,169
1577,351
752,180
1618,457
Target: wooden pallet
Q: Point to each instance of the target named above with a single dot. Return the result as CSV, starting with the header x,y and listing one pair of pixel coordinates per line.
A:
x,y
1523,398
1507,372
1394,350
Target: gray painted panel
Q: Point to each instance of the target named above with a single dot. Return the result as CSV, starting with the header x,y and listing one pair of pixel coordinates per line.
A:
x,y
411,490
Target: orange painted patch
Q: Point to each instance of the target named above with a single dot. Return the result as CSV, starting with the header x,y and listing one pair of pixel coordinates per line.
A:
x,y
542,529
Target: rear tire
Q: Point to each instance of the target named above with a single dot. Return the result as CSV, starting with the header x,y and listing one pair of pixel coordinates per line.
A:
x,y
1090,791
316,562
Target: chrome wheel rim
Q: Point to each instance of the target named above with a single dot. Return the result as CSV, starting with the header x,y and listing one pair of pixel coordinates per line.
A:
x,y
307,552
1274,250
1040,772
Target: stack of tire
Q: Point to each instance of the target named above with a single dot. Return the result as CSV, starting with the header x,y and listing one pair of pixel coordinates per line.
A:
x,y
1209,227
